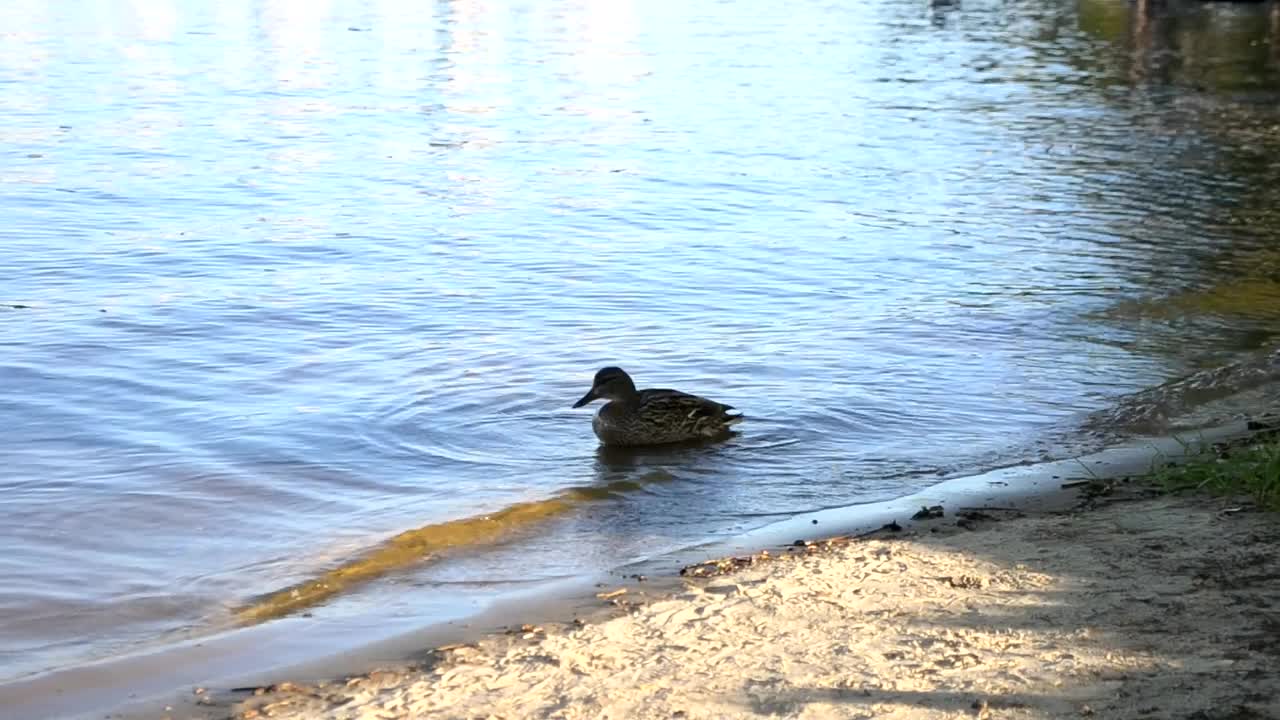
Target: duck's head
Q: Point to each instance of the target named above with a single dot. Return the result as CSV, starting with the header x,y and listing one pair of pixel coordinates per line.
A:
x,y
611,383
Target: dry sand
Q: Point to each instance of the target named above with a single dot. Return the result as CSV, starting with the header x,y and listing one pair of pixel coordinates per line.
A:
x,y
1147,608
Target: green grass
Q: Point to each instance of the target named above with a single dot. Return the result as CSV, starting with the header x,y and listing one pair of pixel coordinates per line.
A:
x,y
1252,470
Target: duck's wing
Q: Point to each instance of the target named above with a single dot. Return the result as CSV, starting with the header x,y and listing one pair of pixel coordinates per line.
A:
x,y
695,409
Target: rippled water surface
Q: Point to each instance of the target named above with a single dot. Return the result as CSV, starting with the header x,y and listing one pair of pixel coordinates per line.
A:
x,y
283,279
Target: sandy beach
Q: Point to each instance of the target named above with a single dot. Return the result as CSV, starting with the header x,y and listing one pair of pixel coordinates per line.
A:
x,y
1135,605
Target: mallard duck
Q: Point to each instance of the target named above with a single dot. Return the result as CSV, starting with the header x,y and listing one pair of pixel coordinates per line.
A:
x,y
652,417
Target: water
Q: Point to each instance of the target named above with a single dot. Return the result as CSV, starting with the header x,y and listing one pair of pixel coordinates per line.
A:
x,y
295,277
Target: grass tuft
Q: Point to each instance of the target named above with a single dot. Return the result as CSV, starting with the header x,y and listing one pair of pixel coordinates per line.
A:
x,y
1252,470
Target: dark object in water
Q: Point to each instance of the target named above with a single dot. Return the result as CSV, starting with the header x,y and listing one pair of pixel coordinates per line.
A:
x,y
654,416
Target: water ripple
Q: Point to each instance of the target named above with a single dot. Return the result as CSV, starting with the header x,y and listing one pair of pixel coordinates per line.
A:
x,y
275,292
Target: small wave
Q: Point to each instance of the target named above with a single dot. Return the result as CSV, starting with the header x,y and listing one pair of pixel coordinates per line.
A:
x,y
1154,410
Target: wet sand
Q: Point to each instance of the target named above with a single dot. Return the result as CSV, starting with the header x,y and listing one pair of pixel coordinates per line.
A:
x,y
1129,605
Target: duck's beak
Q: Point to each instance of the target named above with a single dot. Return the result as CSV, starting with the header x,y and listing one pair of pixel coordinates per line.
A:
x,y
591,395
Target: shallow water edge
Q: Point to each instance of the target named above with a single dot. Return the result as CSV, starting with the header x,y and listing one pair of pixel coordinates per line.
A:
x,y
303,649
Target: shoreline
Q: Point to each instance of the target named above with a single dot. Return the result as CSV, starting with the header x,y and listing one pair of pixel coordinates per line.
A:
x,y
1131,602
1023,489
143,686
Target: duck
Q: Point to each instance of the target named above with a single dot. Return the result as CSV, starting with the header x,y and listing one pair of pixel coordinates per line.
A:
x,y
654,416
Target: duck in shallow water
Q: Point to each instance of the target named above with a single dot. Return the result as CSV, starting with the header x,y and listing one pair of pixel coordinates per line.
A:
x,y
652,417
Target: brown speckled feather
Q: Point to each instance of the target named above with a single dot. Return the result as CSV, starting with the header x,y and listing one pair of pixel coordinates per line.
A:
x,y
662,416
652,417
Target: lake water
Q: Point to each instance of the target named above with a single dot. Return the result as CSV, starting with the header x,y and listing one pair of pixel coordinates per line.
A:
x,y
283,279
